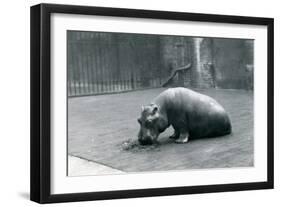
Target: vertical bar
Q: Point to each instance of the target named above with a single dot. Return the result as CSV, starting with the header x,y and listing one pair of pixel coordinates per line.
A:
x,y
95,59
101,62
87,49
132,79
97,78
121,63
76,61
110,61
125,64
83,67
109,65
80,71
104,83
84,63
106,65
98,62
159,55
92,63
95,62
116,78
112,56
69,64
125,73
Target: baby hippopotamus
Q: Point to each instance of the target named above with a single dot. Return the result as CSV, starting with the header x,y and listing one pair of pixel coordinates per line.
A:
x,y
191,114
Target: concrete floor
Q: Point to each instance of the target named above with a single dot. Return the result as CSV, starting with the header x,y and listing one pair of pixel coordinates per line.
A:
x,y
82,167
98,127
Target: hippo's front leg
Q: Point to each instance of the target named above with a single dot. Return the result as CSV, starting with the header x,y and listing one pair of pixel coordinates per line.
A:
x,y
183,138
176,135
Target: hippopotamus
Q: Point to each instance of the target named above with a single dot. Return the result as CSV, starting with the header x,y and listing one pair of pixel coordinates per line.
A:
x,y
191,114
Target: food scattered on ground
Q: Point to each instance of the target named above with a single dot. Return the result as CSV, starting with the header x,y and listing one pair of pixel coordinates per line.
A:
x,y
134,145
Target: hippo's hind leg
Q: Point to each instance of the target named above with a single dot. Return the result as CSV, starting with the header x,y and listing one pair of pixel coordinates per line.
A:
x,y
183,138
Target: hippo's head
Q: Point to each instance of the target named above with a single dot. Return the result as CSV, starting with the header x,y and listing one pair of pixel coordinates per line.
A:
x,y
148,121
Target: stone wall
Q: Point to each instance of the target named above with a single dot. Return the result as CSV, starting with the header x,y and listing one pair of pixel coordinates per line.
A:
x,y
101,62
233,62
176,52
216,62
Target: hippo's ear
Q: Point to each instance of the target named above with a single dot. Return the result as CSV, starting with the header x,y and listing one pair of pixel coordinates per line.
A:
x,y
142,108
155,109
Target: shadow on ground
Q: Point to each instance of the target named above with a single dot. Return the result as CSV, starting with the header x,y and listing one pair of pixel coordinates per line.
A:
x,y
24,195
98,127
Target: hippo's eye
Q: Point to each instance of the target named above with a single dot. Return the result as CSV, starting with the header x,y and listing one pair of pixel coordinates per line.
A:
x,y
148,123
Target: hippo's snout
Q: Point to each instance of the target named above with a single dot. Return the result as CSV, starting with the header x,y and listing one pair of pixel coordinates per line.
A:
x,y
146,141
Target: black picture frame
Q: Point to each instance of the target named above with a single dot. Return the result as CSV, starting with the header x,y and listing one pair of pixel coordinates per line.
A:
x,y
41,98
